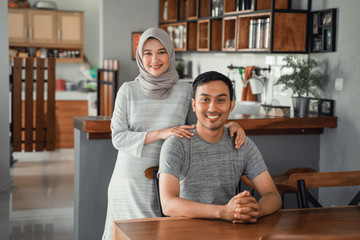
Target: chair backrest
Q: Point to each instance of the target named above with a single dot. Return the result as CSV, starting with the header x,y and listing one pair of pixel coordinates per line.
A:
x,y
26,128
107,78
305,181
326,179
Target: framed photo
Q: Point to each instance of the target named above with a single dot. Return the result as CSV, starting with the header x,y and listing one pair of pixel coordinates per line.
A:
x,y
315,23
314,105
135,37
326,19
327,107
317,44
327,39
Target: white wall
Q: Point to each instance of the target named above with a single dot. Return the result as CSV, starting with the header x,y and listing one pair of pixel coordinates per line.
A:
x,y
340,147
119,19
4,123
4,99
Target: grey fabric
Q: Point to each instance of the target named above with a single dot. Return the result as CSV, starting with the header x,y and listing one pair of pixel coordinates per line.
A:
x,y
209,172
157,87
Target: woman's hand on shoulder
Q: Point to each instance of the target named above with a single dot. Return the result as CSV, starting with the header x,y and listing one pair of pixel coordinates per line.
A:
x,y
235,128
179,131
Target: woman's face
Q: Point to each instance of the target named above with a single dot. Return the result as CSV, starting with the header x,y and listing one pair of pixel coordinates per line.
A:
x,y
154,57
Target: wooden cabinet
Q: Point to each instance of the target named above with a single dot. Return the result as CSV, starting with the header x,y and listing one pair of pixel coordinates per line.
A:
x,y
64,115
18,28
240,25
41,27
70,27
60,32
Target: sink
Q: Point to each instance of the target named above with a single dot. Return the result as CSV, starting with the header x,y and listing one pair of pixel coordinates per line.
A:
x,y
244,107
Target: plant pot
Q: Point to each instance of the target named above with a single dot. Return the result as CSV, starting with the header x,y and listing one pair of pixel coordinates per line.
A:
x,y
301,106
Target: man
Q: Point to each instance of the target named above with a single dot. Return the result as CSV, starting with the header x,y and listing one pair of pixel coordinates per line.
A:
x,y
198,176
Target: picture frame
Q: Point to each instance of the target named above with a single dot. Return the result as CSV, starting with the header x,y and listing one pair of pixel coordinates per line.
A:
x,y
135,37
326,107
315,23
314,106
327,39
317,44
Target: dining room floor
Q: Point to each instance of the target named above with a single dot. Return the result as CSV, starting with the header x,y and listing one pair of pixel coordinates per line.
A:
x,y
42,196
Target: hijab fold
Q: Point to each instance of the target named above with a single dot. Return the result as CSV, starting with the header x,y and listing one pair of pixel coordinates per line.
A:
x,y
162,86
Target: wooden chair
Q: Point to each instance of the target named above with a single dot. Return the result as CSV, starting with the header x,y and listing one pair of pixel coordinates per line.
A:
x,y
305,181
151,173
282,182
107,78
30,132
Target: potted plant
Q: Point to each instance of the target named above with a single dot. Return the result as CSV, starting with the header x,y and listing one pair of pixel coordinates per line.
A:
x,y
304,79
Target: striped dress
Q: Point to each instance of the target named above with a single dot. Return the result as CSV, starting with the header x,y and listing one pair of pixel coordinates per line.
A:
x,y
130,194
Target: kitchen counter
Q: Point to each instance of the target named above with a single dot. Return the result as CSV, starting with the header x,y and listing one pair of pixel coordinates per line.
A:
x,y
98,127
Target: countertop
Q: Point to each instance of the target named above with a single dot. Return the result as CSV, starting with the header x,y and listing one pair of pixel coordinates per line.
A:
x,y
65,95
98,127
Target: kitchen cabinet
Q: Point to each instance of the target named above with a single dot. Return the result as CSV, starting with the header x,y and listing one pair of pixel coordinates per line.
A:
x,y
237,26
59,32
64,115
70,27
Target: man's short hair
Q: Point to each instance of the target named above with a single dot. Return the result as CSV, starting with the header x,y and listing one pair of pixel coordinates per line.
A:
x,y
210,77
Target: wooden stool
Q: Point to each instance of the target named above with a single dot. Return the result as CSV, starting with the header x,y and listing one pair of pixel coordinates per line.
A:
x,y
282,182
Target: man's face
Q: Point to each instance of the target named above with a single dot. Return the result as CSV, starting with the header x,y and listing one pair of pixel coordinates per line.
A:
x,y
212,105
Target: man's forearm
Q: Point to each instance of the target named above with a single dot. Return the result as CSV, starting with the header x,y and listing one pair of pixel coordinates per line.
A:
x,y
179,207
269,203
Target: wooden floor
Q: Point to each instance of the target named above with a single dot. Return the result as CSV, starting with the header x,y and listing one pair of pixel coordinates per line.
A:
x,y
41,200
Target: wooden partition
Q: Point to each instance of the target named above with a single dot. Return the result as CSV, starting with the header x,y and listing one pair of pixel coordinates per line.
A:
x,y
107,86
28,130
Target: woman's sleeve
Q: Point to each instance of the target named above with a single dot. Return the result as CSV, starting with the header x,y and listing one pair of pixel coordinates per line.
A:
x,y
123,138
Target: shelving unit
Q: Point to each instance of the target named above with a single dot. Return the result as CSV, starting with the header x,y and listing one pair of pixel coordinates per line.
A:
x,y
323,31
279,29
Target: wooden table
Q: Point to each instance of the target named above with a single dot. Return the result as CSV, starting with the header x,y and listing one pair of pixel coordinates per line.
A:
x,y
319,223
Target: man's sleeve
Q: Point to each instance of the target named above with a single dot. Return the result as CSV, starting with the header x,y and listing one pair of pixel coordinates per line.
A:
x,y
171,157
254,162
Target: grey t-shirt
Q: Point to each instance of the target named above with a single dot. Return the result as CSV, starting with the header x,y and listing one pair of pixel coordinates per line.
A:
x,y
209,172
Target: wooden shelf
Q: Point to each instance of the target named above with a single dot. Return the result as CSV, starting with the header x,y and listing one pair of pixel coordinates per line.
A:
x,y
266,4
203,41
287,28
170,13
216,31
192,9
229,34
204,8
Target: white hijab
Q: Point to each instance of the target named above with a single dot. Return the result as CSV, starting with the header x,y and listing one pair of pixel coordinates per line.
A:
x,y
162,86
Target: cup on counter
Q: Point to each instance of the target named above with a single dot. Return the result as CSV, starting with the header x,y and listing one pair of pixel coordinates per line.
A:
x,y
60,84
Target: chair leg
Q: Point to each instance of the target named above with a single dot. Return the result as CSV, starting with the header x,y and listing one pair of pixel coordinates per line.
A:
x,y
156,183
282,200
313,200
303,194
356,199
298,200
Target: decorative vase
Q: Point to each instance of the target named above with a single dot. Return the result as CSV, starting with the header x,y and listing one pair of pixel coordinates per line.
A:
x,y
301,106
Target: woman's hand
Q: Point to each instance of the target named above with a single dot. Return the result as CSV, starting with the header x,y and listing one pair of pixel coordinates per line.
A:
x,y
179,131
240,133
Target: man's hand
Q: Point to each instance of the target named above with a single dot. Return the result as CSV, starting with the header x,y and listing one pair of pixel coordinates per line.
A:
x,y
235,128
248,210
241,208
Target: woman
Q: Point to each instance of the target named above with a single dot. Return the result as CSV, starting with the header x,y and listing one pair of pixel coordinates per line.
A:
x,y
147,111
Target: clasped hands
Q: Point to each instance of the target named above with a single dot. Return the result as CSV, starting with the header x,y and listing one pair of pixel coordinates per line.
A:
x,y
242,208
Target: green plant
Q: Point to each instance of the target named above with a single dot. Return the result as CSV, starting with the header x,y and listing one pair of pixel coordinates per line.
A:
x,y
304,78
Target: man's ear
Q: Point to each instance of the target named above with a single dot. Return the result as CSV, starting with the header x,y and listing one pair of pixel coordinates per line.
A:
x,y
193,104
232,105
